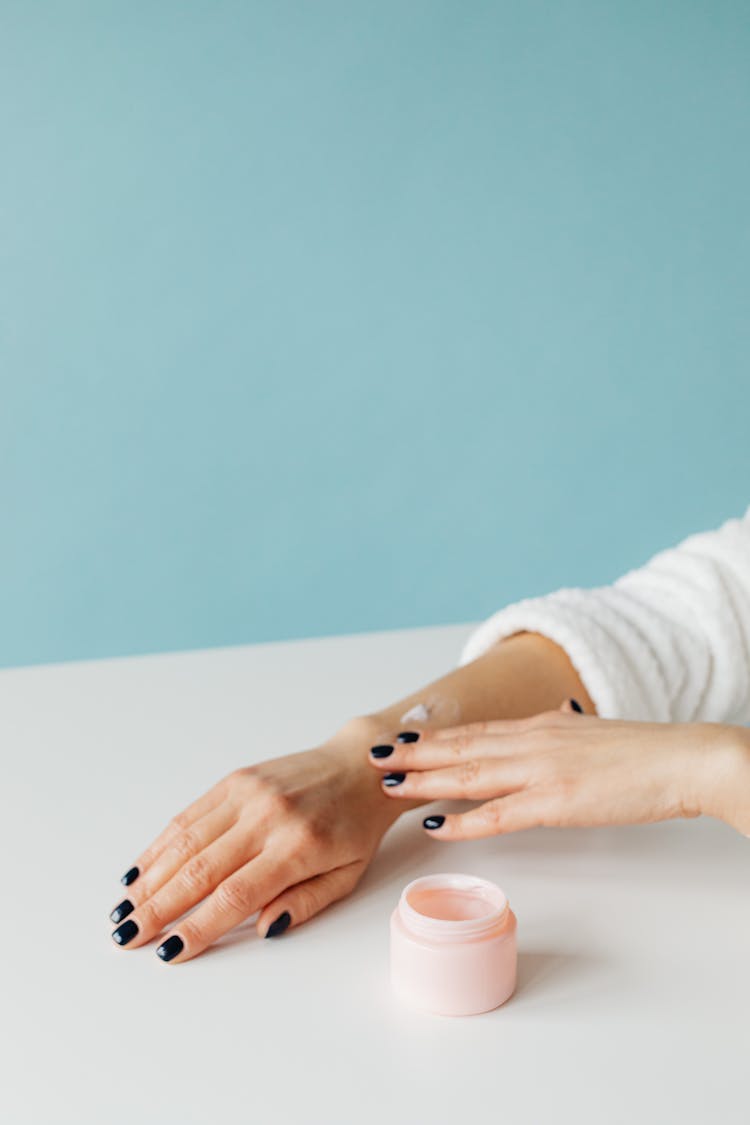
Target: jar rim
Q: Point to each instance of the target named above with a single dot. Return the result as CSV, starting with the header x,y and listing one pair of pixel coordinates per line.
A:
x,y
450,929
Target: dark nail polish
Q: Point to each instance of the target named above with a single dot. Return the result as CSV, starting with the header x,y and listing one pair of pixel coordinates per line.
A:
x,y
170,948
432,821
576,706
125,907
125,933
281,924
130,876
408,736
392,779
381,751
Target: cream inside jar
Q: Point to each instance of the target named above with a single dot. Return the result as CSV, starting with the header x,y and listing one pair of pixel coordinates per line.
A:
x,y
452,902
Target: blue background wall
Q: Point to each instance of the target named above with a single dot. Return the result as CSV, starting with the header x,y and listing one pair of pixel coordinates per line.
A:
x,y
328,317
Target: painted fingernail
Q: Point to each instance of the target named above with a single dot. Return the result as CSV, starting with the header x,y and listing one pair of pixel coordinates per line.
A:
x,y
381,751
130,876
576,706
432,821
407,736
281,924
392,779
170,948
125,933
121,911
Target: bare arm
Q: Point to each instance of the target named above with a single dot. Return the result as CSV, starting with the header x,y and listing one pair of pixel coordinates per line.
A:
x,y
521,676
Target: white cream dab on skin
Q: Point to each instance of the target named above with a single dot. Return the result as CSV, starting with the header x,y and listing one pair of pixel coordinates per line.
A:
x,y
445,712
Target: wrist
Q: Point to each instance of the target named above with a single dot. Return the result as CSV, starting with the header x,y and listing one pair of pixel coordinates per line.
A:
x,y
351,747
348,747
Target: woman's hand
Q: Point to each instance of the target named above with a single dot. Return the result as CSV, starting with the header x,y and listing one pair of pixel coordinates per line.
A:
x,y
286,838
562,768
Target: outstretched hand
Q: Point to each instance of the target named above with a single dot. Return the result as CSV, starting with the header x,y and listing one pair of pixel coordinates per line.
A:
x,y
563,768
284,838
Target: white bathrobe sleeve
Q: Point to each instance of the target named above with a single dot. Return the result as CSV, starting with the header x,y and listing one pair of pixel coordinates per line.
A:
x,y
667,642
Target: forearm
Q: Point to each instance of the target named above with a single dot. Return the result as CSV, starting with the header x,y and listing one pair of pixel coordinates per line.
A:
x,y
521,676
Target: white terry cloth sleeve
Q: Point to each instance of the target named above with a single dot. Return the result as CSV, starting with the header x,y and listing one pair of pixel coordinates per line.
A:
x,y
668,642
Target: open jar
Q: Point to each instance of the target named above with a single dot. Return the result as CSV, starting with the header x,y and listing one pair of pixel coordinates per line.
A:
x,y
453,945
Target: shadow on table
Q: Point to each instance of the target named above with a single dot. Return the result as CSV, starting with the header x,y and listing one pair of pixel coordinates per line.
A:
x,y
556,976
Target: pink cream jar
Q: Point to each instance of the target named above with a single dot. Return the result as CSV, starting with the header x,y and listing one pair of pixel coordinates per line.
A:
x,y
453,945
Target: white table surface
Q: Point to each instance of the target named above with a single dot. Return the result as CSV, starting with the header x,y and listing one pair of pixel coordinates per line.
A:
x,y
633,1002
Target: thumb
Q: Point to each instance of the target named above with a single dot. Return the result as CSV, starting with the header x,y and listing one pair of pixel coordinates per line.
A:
x,y
300,902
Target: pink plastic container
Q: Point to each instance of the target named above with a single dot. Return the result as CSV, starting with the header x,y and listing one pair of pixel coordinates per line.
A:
x,y
453,945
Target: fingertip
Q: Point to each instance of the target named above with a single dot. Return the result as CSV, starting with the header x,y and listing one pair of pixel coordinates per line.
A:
x,y
121,911
571,707
281,924
170,948
125,933
382,750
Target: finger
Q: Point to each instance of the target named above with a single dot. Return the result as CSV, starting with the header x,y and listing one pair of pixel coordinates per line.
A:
x,y
430,752
235,899
415,750
299,903
494,818
180,851
473,779
572,707
195,880
204,804
496,727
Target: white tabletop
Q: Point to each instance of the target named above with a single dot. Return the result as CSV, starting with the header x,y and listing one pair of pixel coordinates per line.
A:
x,y
634,994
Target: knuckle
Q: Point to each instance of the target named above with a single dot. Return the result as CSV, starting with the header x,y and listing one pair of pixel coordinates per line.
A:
x,y
279,806
233,896
311,833
179,822
185,845
461,745
493,815
268,796
468,771
192,933
196,874
307,902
